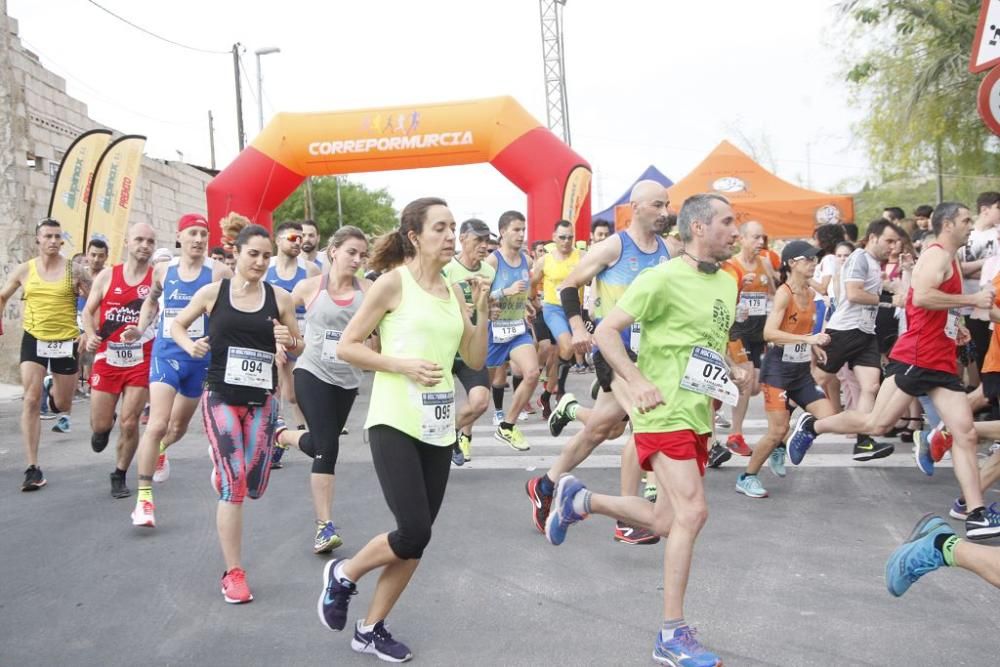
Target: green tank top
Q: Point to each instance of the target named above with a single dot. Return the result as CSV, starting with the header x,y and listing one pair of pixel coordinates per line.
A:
x,y
423,326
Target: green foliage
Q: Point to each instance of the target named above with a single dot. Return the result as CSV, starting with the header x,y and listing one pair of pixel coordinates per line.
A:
x,y
912,192
906,62
371,210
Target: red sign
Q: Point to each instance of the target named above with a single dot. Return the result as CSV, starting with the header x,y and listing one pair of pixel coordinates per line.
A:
x,y
988,100
986,45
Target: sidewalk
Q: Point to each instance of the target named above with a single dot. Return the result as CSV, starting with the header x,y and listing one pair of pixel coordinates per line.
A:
x,y
10,392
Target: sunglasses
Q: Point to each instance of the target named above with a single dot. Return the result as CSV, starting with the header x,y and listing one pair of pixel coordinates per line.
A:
x,y
294,238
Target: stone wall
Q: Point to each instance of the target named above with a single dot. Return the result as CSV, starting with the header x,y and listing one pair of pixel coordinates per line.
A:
x,y
38,122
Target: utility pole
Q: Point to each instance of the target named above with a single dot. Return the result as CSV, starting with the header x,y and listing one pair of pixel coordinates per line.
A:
x,y
260,84
554,68
340,211
239,96
211,136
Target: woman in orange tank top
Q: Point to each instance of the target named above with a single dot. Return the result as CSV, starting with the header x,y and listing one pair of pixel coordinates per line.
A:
x,y
786,377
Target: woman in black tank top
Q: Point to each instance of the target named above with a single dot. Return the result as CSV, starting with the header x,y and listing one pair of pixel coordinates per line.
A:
x,y
251,327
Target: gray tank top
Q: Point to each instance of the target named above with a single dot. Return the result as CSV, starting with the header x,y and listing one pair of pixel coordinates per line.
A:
x,y
325,323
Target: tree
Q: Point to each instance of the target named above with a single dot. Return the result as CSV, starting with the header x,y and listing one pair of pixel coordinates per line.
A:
x,y
370,210
907,65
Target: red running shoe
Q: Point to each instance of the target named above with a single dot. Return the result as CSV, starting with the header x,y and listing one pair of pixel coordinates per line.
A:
x,y
940,442
540,503
234,586
627,534
737,445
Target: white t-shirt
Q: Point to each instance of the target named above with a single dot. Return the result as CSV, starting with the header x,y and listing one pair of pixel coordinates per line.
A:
x,y
826,267
982,244
859,267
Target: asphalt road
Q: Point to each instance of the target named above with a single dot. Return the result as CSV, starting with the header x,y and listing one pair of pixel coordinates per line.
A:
x,y
795,579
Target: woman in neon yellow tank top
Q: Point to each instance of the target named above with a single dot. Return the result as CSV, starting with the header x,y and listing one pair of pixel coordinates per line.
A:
x,y
421,324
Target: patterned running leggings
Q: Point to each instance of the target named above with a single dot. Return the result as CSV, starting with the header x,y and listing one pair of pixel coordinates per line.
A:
x,y
241,439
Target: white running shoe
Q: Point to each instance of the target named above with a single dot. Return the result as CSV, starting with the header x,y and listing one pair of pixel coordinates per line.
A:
x,y
162,472
497,417
142,515
523,417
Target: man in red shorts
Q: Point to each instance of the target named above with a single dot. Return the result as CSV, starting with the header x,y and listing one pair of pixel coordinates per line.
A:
x,y
685,307
121,369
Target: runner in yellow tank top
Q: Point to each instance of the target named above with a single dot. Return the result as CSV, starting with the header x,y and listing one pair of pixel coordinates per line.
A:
x,y
550,271
51,285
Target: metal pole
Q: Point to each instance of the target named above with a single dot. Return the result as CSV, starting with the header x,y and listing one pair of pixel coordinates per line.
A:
x,y
308,204
340,211
211,136
260,97
239,96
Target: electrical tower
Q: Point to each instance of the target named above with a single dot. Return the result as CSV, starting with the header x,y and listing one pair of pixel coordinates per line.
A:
x,y
556,99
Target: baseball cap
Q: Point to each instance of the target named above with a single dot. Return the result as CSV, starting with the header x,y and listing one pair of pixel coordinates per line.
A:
x,y
797,250
162,254
474,226
191,220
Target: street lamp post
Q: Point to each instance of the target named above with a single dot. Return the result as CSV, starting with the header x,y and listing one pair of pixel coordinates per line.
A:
x,y
260,91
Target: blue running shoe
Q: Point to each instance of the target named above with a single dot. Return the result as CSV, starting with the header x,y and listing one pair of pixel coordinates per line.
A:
x,y
683,650
801,438
922,452
561,514
327,538
336,596
279,449
959,510
381,643
776,461
983,523
916,556
62,424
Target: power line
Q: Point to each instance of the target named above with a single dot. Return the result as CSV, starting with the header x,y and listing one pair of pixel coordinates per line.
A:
x,y
153,34
246,76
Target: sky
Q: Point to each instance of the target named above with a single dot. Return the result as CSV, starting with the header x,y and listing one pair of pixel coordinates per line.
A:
x,y
649,81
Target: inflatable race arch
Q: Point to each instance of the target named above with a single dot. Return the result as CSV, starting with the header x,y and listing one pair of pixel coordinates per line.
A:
x,y
495,130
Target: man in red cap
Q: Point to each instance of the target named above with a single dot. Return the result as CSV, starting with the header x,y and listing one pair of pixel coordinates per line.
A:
x,y
175,378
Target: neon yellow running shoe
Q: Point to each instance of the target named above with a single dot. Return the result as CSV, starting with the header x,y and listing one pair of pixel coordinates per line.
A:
x,y
513,437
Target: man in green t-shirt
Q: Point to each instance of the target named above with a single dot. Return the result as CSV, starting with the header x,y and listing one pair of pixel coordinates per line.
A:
x,y
474,238
685,307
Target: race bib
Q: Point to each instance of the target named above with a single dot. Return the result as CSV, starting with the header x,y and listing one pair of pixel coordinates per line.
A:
x,y
54,349
124,355
756,303
247,367
951,326
868,315
797,353
706,373
507,330
633,337
437,416
331,338
195,331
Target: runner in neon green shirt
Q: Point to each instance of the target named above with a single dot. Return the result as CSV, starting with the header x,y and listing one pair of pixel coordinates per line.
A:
x,y
685,308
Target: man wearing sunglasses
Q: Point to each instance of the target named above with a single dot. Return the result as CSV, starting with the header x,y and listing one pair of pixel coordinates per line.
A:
x,y
550,271
288,268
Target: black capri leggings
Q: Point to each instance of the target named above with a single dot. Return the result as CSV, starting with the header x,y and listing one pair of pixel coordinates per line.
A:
x,y
325,407
413,476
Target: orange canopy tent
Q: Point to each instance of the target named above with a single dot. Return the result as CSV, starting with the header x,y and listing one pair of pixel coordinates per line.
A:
x,y
785,210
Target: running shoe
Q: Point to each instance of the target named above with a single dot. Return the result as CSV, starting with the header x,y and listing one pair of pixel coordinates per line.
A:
x,y
867,449
278,450
595,389
142,515
649,491
801,438
162,472
737,445
380,643
465,445
559,419
750,486
98,441
683,650
540,503
922,452
119,488
917,555
456,456
62,424
546,406
33,479
627,534
562,515
721,421
529,408
718,455
776,461
336,596
344,431
327,538
234,586
523,417
513,437
497,417
959,510
940,442
43,410
983,523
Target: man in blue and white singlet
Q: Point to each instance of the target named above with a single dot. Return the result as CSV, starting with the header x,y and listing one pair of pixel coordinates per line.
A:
x,y
311,244
287,269
176,379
